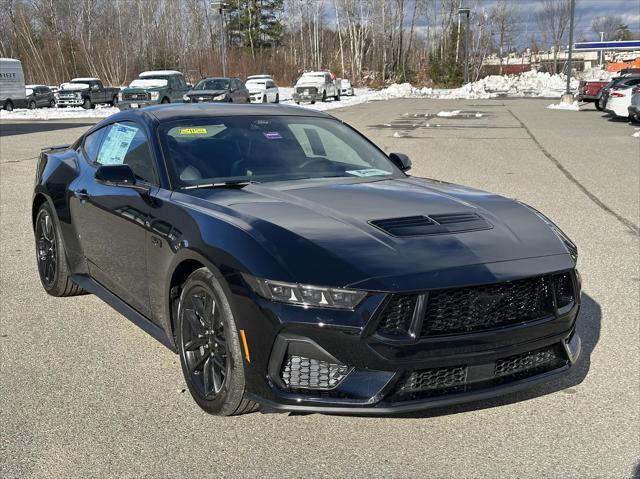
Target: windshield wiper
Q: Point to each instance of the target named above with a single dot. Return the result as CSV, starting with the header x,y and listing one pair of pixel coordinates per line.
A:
x,y
223,184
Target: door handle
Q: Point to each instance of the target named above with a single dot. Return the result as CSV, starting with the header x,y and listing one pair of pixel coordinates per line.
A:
x,y
81,194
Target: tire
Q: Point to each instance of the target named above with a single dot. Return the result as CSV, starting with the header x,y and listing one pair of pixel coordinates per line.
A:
x,y
165,100
53,269
313,102
52,104
209,345
297,103
32,105
114,101
264,98
8,105
87,104
337,97
324,96
277,98
598,106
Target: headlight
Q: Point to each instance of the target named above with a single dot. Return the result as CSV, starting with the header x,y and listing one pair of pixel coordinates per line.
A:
x,y
78,95
305,295
186,99
155,95
571,246
220,97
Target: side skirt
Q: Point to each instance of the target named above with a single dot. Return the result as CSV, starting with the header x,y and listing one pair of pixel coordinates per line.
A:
x,y
123,308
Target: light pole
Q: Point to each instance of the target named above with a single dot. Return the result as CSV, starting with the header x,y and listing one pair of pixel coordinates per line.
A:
x,y
601,51
466,11
568,95
223,50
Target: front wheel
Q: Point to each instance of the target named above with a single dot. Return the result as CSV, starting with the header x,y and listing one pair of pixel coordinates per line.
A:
x,y
53,269
165,100
277,97
324,96
8,106
209,347
87,104
32,105
52,104
598,106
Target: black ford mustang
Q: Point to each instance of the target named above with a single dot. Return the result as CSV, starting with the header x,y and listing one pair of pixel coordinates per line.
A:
x,y
294,266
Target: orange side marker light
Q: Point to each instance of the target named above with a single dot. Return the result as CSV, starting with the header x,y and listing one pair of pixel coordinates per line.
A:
x,y
245,345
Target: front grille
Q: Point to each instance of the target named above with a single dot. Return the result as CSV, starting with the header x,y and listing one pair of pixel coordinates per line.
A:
x,y
524,365
309,90
427,383
396,317
135,96
299,372
477,308
463,310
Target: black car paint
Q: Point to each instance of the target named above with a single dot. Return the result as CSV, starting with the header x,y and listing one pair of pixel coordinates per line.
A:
x,y
134,249
42,97
236,92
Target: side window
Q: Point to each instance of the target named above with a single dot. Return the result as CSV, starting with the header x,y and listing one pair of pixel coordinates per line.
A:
x,y
126,143
92,143
327,78
182,83
270,84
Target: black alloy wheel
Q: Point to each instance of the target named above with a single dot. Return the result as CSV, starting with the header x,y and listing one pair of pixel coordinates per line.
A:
x,y
209,347
32,105
46,248
52,104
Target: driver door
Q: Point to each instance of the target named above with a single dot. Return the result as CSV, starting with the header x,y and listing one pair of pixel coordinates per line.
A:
x,y
113,220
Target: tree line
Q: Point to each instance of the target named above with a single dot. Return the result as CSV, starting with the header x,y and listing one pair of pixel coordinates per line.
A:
x,y
369,41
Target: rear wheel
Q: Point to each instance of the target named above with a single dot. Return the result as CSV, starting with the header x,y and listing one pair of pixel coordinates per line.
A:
x,y
114,101
32,105
209,347
277,97
165,100
598,105
52,104
8,105
324,96
52,262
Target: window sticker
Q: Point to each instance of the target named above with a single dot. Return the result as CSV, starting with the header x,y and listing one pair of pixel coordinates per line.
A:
x,y
193,131
368,172
116,144
272,135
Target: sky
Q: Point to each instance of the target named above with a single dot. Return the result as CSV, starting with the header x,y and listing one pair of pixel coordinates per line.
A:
x,y
586,12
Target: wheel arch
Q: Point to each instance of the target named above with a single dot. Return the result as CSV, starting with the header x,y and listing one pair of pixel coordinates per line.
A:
x,y
38,200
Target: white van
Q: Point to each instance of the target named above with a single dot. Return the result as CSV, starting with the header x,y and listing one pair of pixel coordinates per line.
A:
x,y
12,92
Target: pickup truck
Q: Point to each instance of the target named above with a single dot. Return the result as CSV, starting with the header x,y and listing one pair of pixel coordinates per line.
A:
x,y
316,86
153,87
591,91
87,93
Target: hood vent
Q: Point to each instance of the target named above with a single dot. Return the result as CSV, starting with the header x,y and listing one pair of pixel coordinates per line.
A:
x,y
432,224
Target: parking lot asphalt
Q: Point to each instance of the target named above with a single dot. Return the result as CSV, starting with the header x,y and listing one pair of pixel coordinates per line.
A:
x,y
85,393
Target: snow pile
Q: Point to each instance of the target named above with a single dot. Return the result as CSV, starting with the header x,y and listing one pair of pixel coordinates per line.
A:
x,y
58,113
565,106
148,83
74,86
636,134
596,74
449,113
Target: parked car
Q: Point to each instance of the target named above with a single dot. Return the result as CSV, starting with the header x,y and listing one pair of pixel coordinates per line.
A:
x,y
346,88
604,94
39,96
262,90
152,88
219,89
12,89
316,86
634,108
619,97
590,92
293,266
87,93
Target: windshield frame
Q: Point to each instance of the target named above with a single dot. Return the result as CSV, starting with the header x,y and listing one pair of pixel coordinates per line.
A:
x,y
193,121
204,81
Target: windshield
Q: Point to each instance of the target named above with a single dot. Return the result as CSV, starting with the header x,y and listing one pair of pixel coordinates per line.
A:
x,y
213,84
259,148
255,83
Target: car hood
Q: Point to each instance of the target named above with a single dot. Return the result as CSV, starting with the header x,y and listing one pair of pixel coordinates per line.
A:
x,y
206,92
321,231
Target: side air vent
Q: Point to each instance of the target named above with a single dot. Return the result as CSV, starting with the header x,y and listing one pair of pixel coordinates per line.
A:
x,y
432,224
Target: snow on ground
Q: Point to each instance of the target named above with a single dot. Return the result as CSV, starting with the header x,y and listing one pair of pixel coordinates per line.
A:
x,y
565,106
530,84
636,134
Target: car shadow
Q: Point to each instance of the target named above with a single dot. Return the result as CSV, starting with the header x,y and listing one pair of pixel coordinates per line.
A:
x,y
26,127
588,327
636,471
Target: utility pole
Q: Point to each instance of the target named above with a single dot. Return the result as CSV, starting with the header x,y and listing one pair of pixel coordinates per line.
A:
x,y
569,64
601,51
465,11
223,49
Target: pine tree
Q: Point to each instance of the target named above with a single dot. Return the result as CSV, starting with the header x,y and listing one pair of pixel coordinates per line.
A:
x,y
254,24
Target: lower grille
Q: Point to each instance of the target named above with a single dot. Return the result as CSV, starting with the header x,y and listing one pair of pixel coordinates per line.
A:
x,y
299,372
426,383
524,365
134,96
309,90
397,316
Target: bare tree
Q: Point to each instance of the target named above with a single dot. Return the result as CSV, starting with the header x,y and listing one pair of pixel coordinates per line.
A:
x,y
503,16
553,21
608,25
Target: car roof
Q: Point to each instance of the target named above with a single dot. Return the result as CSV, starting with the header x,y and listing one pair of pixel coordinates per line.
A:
x,y
158,72
85,79
177,111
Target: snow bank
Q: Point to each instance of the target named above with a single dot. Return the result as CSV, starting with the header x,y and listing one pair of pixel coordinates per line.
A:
x,y
636,134
148,83
565,106
449,113
58,113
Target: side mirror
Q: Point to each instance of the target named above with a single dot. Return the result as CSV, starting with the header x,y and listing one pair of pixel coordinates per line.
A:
x,y
401,160
119,175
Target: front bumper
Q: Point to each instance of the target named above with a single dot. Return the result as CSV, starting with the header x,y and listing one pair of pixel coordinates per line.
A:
x,y
356,370
70,101
303,97
129,105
